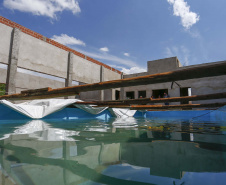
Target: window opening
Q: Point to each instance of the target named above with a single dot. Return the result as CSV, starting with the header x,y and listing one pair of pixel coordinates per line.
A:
x,y
130,95
141,94
159,93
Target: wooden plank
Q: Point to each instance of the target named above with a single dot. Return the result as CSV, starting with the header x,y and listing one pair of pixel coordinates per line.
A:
x,y
184,106
166,107
159,100
209,70
34,91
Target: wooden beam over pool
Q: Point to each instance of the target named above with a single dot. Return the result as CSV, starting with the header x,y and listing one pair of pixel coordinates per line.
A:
x,y
209,70
159,100
166,107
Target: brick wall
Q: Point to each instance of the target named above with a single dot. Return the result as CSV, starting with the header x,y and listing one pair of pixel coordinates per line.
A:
x,y
10,23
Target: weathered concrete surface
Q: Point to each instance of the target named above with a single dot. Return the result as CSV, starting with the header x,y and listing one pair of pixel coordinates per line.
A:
x,y
111,75
5,42
27,81
42,57
85,71
208,85
89,96
163,65
13,61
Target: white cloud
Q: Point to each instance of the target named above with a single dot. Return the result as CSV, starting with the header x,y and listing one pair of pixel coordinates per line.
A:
x,y
99,55
47,8
108,57
181,52
133,70
182,9
105,49
67,40
127,54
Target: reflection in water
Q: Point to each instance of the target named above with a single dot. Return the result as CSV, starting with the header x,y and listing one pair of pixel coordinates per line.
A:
x,y
132,151
41,130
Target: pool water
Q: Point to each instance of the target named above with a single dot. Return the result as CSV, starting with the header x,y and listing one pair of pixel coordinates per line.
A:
x,y
117,151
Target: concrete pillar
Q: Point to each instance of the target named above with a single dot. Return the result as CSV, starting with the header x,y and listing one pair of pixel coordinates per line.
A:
x,y
13,61
102,80
122,90
69,79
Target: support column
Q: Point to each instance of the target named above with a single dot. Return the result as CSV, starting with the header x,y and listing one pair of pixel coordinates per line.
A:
x,y
102,80
13,61
122,89
69,79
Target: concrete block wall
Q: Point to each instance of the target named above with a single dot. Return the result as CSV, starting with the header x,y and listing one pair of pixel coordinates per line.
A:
x,y
37,53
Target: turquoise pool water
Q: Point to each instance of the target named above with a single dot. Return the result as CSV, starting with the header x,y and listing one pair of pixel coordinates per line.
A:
x,y
114,151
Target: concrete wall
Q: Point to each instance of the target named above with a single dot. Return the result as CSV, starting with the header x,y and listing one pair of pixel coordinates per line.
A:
x,y
37,53
85,71
26,81
163,65
5,40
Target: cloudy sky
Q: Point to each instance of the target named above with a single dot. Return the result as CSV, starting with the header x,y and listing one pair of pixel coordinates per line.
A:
x,y
125,34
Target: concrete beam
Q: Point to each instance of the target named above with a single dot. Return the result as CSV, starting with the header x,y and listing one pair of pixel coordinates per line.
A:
x,y
13,61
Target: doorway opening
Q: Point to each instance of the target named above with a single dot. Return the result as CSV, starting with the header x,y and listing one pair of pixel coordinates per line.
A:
x,y
117,95
185,91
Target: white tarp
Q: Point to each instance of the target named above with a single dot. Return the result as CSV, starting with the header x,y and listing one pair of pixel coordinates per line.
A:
x,y
37,109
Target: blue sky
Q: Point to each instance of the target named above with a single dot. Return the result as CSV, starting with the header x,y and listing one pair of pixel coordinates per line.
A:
x,y
125,34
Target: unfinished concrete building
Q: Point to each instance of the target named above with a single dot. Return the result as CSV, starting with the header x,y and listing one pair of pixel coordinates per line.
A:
x,y
201,86
29,60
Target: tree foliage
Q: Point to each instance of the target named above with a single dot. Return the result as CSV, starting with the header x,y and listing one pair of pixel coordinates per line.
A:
x,y
2,89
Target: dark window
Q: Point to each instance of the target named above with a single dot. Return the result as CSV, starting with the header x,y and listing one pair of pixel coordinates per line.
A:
x,y
185,91
159,93
141,94
130,95
117,95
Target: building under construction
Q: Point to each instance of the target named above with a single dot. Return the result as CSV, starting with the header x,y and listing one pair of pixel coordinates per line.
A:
x,y
29,60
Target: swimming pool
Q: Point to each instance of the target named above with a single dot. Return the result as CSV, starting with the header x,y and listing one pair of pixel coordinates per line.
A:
x,y
113,151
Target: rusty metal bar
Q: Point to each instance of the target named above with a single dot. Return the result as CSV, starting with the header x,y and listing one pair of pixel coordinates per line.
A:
x,y
209,70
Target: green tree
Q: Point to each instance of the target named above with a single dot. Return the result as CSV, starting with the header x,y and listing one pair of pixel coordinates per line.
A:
x,y
2,89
